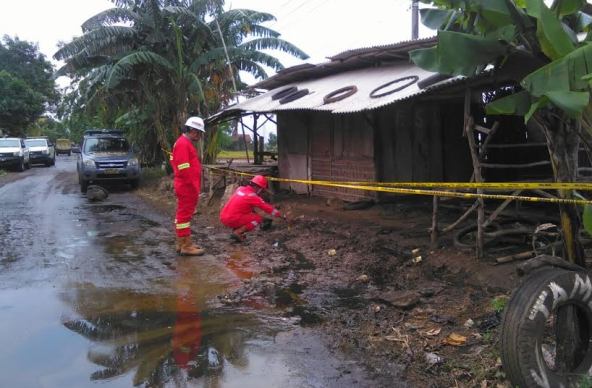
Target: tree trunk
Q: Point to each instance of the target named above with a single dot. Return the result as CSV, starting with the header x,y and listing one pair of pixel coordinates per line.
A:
x,y
563,142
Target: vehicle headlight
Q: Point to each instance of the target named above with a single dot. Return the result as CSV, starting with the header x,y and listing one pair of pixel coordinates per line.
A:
x,y
45,152
133,162
89,163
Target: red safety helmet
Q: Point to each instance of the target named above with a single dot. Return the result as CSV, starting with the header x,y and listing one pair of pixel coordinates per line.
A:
x,y
260,181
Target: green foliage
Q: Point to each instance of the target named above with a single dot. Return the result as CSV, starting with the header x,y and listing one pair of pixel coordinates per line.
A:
x,y
498,304
20,105
27,88
272,143
147,65
585,382
489,32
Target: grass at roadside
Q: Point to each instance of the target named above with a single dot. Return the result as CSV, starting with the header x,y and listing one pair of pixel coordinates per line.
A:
x,y
234,154
2,173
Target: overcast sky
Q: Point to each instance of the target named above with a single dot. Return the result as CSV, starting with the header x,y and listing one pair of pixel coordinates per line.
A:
x,y
321,28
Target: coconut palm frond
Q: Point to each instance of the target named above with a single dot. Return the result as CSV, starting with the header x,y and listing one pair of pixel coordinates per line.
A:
x,y
94,41
244,16
274,44
251,67
263,32
108,17
196,87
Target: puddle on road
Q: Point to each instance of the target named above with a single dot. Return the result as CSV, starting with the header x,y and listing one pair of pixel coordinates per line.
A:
x,y
84,333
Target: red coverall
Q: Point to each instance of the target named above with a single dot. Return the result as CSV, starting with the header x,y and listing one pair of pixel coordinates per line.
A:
x,y
187,169
238,211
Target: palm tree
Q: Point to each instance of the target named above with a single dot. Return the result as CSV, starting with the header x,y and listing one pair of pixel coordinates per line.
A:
x,y
151,63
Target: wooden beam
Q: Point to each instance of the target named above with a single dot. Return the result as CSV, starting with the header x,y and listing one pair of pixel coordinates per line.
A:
x,y
468,129
518,165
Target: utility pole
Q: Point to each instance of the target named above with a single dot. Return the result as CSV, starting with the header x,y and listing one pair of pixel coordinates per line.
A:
x,y
414,19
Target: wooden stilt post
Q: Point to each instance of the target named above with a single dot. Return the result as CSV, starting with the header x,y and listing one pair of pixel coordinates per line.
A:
x,y
469,123
434,236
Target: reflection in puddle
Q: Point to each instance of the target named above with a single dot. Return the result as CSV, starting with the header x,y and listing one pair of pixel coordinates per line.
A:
x,y
159,338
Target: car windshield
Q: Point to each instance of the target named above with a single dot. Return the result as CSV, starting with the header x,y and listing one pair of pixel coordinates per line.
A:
x,y
9,143
92,145
36,143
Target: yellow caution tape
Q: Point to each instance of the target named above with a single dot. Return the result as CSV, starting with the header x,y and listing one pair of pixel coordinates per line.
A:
x,y
403,188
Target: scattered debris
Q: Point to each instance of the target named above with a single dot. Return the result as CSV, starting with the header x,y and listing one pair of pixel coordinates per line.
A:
x,y
331,252
363,278
455,339
433,332
433,359
469,323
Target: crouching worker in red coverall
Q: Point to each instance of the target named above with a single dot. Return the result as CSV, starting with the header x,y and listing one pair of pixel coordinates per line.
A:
x,y
239,212
187,184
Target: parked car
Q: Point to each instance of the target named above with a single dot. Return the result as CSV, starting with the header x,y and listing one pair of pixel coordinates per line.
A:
x,y
63,146
14,153
106,156
41,150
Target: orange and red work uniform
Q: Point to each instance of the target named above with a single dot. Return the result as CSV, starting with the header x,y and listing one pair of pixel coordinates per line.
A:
x,y
238,211
187,181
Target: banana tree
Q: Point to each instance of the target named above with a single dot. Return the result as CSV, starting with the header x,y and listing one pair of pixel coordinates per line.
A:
x,y
554,46
170,59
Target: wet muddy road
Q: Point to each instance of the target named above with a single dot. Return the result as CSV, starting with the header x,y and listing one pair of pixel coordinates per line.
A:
x,y
92,294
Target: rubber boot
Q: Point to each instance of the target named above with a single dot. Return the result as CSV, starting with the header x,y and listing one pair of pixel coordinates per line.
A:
x,y
189,249
238,234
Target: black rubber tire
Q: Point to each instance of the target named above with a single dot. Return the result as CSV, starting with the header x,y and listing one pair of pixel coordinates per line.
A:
x,y
135,183
83,186
411,78
431,80
340,94
294,96
284,92
523,325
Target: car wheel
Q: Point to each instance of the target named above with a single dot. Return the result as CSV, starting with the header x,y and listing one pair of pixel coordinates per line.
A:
x,y
69,153
135,183
83,186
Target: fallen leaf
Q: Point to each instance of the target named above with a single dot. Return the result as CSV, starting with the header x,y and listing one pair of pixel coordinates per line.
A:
x,y
434,331
455,340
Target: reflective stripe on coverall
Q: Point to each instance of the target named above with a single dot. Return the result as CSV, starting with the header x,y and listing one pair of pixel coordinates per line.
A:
x,y
238,211
187,170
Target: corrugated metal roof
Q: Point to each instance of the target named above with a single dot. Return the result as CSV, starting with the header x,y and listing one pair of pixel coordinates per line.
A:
x,y
389,49
366,80
347,60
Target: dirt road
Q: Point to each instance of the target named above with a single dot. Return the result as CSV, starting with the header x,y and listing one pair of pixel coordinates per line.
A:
x,y
91,292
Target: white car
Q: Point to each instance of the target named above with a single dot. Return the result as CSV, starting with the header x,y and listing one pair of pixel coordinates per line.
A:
x,y
41,150
14,153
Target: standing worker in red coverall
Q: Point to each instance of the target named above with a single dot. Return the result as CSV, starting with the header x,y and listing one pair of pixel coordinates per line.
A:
x,y
238,213
187,183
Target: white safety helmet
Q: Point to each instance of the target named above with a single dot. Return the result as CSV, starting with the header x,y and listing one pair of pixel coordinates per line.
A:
x,y
196,123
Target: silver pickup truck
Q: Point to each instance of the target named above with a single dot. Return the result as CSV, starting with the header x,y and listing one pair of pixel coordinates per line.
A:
x,y
106,156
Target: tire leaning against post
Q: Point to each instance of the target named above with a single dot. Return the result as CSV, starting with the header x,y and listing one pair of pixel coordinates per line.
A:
x,y
539,297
